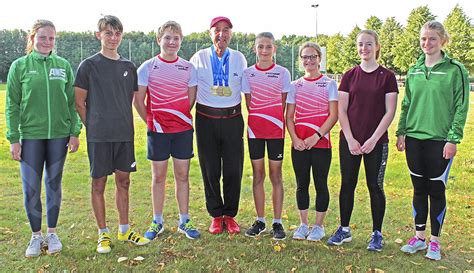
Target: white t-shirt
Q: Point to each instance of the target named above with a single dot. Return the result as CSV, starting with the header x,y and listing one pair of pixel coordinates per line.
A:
x,y
202,62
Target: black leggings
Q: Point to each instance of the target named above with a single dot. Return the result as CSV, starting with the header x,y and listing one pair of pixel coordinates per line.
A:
x,y
319,160
37,154
374,163
429,174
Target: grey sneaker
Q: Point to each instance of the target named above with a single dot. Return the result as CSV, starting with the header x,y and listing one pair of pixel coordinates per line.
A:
x,y
53,242
34,246
413,245
316,234
301,232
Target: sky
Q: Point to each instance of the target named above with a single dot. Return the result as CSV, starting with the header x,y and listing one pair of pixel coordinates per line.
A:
x,y
281,17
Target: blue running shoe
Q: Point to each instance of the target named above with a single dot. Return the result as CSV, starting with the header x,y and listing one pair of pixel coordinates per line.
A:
x,y
301,232
413,245
376,241
154,230
339,237
434,251
316,234
189,230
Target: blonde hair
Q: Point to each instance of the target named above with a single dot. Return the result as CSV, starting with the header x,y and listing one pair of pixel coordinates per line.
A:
x,y
376,38
439,28
34,29
315,46
171,26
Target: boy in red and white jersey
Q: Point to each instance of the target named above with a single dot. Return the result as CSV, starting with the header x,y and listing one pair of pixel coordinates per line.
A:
x,y
168,83
266,85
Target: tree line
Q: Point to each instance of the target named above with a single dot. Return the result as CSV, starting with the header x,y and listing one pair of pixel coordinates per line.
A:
x,y
400,44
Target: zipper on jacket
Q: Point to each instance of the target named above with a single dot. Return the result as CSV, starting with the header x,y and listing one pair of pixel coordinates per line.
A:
x,y
47,97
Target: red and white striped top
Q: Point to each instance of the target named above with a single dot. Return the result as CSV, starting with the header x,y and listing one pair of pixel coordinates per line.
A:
x,y
266,86
312,97
168,109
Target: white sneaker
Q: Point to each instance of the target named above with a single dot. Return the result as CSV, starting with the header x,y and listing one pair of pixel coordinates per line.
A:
x,y
53,242
34,246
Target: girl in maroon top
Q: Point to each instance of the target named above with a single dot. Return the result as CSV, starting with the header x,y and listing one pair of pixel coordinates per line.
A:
x,y
367,103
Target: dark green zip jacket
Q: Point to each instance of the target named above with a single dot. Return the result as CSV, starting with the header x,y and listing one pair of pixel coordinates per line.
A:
x,y
436,101
40,102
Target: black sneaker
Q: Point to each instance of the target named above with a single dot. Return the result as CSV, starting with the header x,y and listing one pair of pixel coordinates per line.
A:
x,y
278,232
256,228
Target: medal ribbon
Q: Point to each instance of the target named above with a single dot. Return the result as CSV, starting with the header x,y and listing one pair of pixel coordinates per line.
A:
x,y
220,68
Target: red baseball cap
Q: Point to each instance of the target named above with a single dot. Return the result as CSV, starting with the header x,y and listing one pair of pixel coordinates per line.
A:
x,y
219,19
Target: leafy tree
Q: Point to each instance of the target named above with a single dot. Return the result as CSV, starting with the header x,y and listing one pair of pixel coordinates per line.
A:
x,y
407,50
461,44
12,46
333,51
389,35
350,57
374,23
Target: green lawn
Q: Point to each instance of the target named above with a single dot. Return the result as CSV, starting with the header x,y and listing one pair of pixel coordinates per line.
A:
x,y
173,252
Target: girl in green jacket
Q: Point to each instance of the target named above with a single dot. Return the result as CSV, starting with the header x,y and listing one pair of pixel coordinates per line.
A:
x,y
42,124
431,125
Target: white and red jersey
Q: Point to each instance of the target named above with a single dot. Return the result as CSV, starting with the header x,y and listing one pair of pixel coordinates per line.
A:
x,y
167,82
266,86
312,97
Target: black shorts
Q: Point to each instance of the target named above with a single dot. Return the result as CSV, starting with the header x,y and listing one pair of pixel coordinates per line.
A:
x,y
162,145
106,157
274,148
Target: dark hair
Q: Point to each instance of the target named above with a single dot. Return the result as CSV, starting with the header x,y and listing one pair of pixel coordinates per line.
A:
x,y
268,35
34,29
109,20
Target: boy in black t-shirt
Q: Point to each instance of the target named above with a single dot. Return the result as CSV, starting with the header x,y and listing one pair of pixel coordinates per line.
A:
x,y
104,89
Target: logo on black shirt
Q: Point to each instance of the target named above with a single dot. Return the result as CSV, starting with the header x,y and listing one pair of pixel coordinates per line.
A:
x,y
125,73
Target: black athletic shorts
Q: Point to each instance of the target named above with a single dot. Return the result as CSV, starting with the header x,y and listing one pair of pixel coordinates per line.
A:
x,y
106,157
162,145
274,148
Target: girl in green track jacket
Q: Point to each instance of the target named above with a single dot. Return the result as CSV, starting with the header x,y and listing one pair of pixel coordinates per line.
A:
x,y
432,120
42,124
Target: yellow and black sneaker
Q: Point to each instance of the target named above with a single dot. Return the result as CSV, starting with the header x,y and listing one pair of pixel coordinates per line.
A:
x,y
104,242
133,237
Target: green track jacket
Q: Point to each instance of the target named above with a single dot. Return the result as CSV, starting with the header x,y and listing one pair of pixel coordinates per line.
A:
x,y
40,101
436,101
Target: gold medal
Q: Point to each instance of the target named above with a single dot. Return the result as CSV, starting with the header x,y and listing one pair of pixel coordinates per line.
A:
x,y
227,91
220,91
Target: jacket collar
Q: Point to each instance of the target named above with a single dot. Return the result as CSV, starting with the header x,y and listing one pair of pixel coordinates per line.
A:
x,y
38,56
421,60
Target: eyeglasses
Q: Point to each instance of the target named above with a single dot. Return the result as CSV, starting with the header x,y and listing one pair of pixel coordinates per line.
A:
x,y
309,57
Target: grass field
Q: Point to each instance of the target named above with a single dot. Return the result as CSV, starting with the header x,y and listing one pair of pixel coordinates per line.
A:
x,y
173,252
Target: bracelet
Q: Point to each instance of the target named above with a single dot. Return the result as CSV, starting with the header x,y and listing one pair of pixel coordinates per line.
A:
x,y
319,134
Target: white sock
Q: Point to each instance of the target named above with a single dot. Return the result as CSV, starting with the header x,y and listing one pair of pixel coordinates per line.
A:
x,y
277,221
124,228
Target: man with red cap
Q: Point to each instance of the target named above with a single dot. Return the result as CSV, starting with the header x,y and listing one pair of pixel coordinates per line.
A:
x,y
219,125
